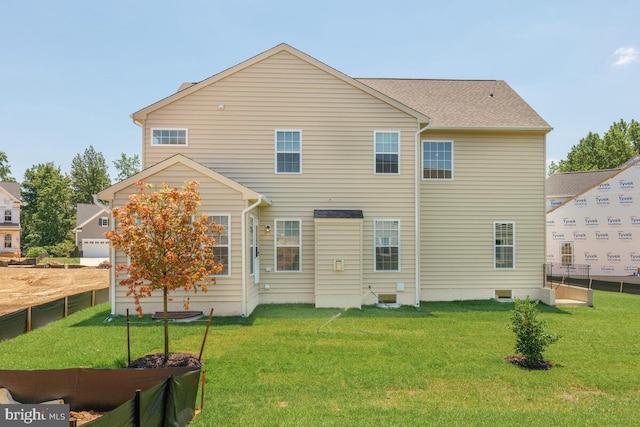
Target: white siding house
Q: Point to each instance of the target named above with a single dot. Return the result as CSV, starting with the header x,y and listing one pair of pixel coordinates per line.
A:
x,y
10,219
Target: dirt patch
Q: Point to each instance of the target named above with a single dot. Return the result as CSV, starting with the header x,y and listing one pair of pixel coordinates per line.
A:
x,y
21,287
175,360
521,361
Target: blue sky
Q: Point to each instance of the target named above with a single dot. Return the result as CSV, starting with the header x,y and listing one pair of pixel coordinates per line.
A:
x,y
72,72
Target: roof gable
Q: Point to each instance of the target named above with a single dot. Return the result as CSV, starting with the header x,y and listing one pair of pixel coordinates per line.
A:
x,y
247,193
12,189
188,88
86,212
568,184
612,173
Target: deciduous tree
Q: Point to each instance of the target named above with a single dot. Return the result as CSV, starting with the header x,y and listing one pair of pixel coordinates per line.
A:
x,y
167,245
47,212
5,170
89,175
620,143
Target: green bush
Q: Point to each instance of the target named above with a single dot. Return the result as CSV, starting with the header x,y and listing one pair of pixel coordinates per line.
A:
x,y
35,252
531,338
60,250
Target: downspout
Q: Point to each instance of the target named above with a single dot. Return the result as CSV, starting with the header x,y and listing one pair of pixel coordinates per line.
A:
x,y
416,213
244,253
112,256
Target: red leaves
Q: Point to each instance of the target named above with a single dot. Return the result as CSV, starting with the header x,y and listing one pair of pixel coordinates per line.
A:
x,y
167,245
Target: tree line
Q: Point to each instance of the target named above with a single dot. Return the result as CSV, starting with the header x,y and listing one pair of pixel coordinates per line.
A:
x,y
49,197
619,144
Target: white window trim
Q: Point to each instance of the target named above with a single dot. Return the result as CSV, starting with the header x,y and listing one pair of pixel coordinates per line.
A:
x,y
512,246
453,166
103,221
275,245
10,212
375,268
375,152
275,149
186,136
228,246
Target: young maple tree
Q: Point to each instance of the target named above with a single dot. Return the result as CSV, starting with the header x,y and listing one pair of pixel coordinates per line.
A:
x,y
167,245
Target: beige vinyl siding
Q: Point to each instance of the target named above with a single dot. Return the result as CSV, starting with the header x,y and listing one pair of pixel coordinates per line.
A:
x,y
497,177
226,296
338,239
337,121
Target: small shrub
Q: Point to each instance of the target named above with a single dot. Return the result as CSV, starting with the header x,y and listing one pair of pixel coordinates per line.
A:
x,y
35,252
531,338
104,264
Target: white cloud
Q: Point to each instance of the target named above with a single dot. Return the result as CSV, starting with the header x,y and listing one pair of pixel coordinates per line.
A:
x,y
625,56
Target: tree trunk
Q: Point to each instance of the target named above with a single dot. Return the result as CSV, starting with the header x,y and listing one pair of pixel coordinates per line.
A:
x,y
165,319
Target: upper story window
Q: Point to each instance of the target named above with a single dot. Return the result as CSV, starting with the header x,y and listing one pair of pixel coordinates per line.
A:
x,y
221,251
387,148
169,136
288,151
437,159
8,217
386,235
504,246
103,221
288,243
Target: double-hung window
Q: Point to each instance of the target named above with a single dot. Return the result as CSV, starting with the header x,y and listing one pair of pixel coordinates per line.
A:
x,y
437,159
103,221
288,151
386,235
288,244
7,215
169,136
566,251
7,241
504,245
221,251
387,149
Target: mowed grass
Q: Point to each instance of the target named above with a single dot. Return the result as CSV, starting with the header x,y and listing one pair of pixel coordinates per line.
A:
x,y
443,365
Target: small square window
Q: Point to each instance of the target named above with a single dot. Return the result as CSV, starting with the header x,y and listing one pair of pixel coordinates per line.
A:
x,y
103,221
168,137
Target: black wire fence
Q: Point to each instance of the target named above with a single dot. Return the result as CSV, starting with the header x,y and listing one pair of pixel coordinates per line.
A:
x,y
580,275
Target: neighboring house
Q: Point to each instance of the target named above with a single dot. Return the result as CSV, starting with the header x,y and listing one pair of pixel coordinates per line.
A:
x,y
91,224
561,187
600,225
334,190
10,219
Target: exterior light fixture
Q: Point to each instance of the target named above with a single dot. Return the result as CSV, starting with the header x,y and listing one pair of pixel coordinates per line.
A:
x,y
267,228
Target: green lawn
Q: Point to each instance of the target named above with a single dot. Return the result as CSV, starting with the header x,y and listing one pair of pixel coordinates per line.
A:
x,y
60,260
443,365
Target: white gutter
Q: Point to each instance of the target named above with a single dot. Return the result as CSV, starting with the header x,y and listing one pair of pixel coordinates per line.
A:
x,y
244,254
112,257
416,213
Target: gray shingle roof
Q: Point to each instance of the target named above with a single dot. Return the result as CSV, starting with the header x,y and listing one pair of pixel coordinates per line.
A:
x,y
330,213
85,211
462,103
12,187
569,184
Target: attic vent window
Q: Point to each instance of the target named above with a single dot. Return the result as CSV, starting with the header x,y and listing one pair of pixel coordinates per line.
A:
x,y
169,137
